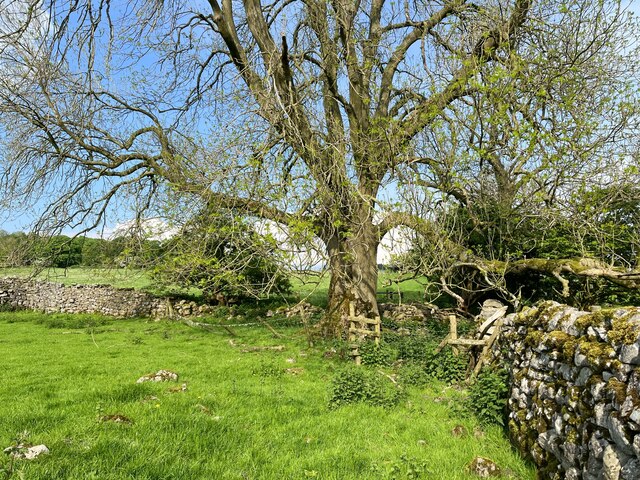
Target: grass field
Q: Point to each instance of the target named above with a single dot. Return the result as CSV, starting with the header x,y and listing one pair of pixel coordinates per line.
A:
x,y
118,277
243,415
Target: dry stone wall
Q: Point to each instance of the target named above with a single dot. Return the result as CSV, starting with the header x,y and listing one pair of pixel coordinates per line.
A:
x,y
23,293
574,406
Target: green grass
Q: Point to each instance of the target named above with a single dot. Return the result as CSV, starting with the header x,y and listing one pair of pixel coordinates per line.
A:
x,y
118,277
314,288
242,416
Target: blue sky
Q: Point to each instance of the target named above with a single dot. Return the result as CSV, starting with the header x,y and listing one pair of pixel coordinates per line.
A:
x,y
21,220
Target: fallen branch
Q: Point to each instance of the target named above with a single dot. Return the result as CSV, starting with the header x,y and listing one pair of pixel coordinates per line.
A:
x,y
206,326
558,268
247,349
270,328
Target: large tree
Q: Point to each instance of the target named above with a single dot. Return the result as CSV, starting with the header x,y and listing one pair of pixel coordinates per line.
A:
x,y
314,114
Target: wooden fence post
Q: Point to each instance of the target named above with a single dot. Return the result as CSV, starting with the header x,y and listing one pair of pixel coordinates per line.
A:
x,y
453,332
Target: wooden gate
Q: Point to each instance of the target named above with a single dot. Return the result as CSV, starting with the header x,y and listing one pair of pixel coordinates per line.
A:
x,y
486,342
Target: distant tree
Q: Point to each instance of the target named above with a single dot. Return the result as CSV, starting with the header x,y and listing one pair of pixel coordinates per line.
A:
x,y
15,249
114,251
93,252
58,251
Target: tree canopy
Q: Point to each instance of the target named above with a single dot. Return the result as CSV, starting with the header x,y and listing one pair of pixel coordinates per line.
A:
x,y
338,119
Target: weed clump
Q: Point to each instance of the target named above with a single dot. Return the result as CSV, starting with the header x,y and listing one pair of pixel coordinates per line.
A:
x,y
445,365
488,396
7,307
267,370
382,355
419,351
358,384
413,374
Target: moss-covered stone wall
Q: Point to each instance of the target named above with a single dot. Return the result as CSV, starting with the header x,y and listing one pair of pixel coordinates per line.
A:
x,y
574,406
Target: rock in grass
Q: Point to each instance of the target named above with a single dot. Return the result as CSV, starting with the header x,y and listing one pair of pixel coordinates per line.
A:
x,y
26,452
180,388
295,371
159,376
459,431
35,451
483,467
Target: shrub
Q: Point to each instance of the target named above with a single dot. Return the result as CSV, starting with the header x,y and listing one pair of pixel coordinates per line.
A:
x,y
381,355
7,307
358,384
414,374
445,365
409,347
419,350
224,257
414,348
488,396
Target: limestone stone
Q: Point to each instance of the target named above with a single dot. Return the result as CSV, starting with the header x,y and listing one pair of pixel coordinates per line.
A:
x,y
25,451
596,447
630,354
601,414
593,469
567,372
483,467
597,333
627,409
159,376
630,470
611,464
636,445
549,441
584,376
597,390
571,454
622,371
558,423
619,434
572,474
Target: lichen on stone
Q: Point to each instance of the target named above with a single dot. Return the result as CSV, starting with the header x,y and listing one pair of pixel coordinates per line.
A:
x,y
623,331
534,338
596,352
595,319
618,389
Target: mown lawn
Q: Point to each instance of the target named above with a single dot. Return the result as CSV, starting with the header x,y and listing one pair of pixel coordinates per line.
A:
x,y
243,416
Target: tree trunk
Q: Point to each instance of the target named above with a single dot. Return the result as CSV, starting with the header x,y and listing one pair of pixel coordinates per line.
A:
x,y
354,278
